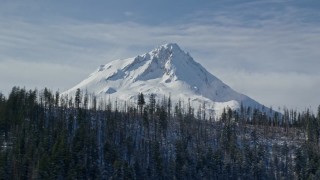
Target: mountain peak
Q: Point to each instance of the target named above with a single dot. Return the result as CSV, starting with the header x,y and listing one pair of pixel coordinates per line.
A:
x,y
170,52
168,49
172,46
163,71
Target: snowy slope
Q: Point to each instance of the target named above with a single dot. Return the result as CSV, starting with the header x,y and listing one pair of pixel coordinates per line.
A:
x,y
165,71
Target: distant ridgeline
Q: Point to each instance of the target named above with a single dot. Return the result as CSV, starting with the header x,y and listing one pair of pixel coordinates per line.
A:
x,y
48,136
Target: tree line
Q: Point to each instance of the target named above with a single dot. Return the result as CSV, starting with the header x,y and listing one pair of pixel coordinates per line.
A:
x,y
48,136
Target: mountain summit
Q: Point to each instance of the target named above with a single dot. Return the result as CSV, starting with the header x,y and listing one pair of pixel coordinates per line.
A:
x,y
165,71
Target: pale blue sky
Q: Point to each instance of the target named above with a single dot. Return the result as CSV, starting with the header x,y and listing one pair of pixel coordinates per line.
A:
x,y
266,49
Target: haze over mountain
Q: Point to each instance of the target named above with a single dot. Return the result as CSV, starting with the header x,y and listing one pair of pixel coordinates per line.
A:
x,y
165,71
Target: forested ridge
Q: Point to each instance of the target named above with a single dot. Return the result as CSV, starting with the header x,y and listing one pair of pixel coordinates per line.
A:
x,y
48,136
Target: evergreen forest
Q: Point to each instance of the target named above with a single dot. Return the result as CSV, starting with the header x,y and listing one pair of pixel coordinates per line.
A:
x,y
44,135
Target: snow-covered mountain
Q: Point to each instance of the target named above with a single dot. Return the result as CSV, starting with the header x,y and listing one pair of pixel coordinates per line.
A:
x,y
165,71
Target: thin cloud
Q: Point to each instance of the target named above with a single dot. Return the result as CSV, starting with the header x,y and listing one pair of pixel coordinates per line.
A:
x,y
37,75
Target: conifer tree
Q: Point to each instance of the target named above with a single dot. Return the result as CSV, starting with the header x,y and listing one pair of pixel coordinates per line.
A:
x,y
77,99
141,102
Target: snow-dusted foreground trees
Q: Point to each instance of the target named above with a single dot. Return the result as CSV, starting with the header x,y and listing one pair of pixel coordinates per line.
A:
x,y
45,136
